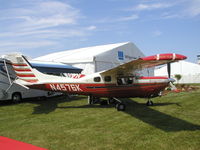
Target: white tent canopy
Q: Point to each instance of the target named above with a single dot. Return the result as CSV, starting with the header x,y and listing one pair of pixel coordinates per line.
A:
x,y
87,54
190,72
96,58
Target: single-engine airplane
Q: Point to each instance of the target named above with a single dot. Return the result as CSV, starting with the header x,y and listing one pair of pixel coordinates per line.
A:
x,y
119,82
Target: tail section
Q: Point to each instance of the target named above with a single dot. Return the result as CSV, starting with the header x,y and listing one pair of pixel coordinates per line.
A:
x,y
22,68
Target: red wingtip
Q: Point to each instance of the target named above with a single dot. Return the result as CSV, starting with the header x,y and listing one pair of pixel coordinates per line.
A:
x,y
168,56
180,57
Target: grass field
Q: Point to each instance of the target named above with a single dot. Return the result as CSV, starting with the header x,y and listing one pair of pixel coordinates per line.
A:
x,y
60,124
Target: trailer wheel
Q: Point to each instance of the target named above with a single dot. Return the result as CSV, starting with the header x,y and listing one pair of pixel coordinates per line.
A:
x,y
16,97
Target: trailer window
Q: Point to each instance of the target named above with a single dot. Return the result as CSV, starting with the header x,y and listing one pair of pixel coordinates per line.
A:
x,y
107,78
97,79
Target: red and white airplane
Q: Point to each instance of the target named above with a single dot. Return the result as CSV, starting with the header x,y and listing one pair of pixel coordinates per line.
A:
x,y
119,82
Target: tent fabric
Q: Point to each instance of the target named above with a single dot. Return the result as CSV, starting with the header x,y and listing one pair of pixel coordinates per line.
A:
x,y
96,58
190,72
79,55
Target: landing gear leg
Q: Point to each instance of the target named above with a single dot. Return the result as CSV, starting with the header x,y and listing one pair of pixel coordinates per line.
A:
x,y
93,100
119,105
149,102
90,100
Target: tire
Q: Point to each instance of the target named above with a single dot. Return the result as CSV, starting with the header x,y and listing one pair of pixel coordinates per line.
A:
x,y
121,107
16,97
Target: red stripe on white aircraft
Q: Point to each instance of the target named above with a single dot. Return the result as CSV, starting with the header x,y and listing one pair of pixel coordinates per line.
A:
x,y
19,64
25,75
21,69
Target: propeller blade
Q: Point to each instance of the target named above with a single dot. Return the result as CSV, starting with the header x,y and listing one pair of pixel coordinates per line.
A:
x,y
169,70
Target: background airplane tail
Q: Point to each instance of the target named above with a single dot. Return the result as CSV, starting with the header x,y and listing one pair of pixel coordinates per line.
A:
x,y
22,68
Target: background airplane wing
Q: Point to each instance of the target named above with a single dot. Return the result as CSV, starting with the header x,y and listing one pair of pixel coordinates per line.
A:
x,y
145,62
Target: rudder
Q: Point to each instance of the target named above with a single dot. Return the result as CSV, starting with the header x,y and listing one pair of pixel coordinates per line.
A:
x,y
22,67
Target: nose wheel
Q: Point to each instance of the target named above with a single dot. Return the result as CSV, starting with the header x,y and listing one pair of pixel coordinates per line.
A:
x,y
149,103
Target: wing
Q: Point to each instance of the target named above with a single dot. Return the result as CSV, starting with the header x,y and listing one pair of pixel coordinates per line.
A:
x,y
144,62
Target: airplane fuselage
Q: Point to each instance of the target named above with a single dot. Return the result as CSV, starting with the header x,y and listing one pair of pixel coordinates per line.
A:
x,y
141,87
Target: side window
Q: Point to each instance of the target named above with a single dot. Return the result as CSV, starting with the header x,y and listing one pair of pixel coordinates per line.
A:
x,y
107,78
97,79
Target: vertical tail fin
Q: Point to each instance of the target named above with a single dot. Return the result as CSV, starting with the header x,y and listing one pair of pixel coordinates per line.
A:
x,y
22,68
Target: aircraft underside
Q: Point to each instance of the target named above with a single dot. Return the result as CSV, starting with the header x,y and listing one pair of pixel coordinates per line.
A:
x,y
110,91
106,90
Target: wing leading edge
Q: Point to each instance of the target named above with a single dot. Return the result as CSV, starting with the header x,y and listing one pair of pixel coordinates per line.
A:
x,y
145,62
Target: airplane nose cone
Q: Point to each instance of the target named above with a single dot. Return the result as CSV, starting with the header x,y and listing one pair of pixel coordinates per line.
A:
x,y
171,80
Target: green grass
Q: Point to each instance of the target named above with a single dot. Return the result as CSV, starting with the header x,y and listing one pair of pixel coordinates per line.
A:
x,y
60,124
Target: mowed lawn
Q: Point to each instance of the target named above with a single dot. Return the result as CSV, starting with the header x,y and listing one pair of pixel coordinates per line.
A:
x,y
60,124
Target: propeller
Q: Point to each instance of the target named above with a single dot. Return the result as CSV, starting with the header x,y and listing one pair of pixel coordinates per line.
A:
x,y
173,87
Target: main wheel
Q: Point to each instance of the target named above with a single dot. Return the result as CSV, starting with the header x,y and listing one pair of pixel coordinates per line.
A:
x,y
16,97
149,103
120,106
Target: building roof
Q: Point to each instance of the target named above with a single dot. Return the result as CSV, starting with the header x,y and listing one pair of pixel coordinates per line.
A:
x,y
80,55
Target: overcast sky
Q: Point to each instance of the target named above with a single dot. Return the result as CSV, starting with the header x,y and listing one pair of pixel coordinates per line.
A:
x,y
38,27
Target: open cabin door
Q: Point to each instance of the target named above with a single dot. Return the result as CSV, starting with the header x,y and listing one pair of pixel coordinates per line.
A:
x,y
125,80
